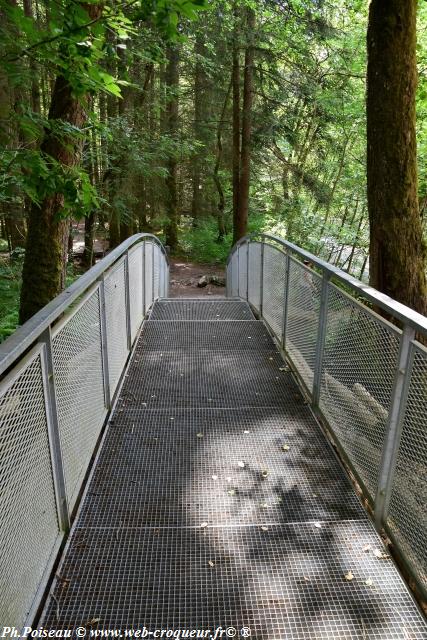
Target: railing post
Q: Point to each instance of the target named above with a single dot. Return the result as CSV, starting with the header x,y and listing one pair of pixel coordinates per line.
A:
x,y
143,280
53,430
152,272
167,280
161,276
394,426
127,301
321,338
247,271
286,299
227,278
104,343
238,271
261,284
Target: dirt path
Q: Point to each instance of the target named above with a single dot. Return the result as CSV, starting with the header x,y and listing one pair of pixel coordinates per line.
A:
x,y
184,277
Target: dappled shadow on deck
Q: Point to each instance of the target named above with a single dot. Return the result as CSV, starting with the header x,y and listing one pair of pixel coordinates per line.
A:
x,y
216,501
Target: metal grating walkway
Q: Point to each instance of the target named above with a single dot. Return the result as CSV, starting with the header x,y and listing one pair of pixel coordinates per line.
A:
x,y
217,502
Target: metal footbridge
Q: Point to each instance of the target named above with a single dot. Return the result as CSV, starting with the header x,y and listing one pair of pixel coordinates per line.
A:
x,y
253,466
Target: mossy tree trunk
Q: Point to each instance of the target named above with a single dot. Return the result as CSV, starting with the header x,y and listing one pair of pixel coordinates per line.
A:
x,y
44,269
397,262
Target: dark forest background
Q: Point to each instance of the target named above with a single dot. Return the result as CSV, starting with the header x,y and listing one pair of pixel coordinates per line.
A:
x,y
201,121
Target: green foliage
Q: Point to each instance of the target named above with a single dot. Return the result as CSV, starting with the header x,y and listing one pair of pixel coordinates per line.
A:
x,y
10,286
10,289
200,243
66,41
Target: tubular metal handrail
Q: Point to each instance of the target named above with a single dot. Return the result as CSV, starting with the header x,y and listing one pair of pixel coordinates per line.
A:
x,y
365,377
60,372
29,332
401,312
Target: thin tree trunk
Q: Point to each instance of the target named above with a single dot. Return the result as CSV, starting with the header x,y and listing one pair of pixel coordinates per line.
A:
x,y
199,110
221,197
397,259
356,240
245,153
172,82
236,120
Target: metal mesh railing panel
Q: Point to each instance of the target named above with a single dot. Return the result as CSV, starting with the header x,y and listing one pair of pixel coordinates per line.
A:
x,y
359,364
148,274
136,290
254,274
115,308
243,271
274,288
77,359
407,516
303,319
28,519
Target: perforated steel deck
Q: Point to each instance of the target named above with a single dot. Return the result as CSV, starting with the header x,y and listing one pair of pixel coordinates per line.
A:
x,y
216,501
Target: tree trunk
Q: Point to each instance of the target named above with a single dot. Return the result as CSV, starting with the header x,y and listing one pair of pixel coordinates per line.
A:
x,y
236,121
241,223
44,270
397,260
197,158
216,178
171,115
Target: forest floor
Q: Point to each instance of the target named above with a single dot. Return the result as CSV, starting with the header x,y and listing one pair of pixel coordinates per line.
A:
x,y
184,277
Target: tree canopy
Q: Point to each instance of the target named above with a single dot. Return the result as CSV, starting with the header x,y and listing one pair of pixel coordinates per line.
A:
x,y
195,120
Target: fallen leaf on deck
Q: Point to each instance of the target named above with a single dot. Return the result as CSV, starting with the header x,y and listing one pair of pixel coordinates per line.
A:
x,y
369,582
349,576
200,435
231,492
380,554
285,447
264,528
211,564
